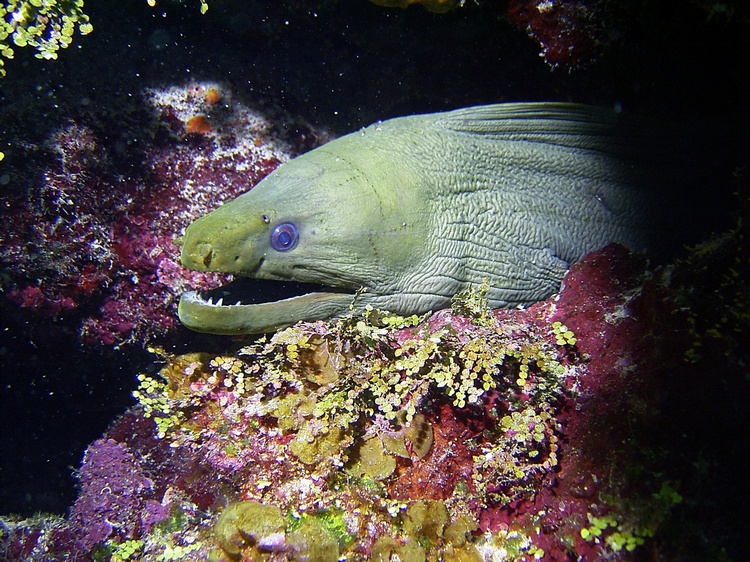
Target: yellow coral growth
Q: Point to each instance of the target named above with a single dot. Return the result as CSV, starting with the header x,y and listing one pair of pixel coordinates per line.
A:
x,y
435,6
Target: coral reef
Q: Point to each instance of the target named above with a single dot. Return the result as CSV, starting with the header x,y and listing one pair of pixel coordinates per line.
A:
x,y
93,239
470,434
345,63
572,34
43,538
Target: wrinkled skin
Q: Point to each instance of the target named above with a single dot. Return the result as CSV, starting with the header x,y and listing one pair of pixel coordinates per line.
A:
x,y
408,212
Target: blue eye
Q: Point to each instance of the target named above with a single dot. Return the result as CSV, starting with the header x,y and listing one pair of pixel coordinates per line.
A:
x,y
284,237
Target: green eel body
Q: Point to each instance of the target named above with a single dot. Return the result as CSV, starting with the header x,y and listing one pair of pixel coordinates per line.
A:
x,y
416,209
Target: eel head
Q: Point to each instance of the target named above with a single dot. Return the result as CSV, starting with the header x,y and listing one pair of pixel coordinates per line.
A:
x,y
309,236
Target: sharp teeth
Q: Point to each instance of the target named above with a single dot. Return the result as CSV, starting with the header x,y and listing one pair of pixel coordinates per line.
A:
x,y
238,303
220,301
209,300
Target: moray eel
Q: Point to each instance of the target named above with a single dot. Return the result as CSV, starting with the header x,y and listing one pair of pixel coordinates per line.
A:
x,y
408,212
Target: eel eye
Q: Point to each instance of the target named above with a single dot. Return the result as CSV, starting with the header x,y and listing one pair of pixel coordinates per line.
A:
x,y
284,237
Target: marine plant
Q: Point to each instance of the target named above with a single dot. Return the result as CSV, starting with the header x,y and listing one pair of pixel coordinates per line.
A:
x,y
303,446
45,25
204,4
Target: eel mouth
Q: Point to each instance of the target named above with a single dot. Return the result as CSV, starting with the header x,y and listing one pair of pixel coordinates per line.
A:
x,y
252,306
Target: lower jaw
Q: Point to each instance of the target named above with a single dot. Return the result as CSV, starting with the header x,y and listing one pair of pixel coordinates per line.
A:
x,y
215,317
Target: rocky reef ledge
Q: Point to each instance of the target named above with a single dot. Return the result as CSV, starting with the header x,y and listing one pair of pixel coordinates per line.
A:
x,y
559,430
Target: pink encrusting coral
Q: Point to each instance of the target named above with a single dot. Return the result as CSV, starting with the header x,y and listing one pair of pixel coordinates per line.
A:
x,y
94,237
569,33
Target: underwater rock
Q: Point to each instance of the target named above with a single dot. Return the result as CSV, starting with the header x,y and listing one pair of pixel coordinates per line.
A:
x,y
471,434
92,241
569,33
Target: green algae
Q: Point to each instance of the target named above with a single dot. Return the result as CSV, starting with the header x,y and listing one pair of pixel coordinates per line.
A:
x,y
427,533
247,524
351,394
371,460
313,449
44,25
252,530
312,542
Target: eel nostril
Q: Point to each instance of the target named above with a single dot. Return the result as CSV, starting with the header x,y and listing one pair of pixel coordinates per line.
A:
x,y
205,253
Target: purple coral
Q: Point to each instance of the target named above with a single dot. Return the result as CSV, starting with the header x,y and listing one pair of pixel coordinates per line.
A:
x,y
114,493
40,539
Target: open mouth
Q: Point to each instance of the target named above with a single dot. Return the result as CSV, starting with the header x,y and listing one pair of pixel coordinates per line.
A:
x,y
252,306
247,291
